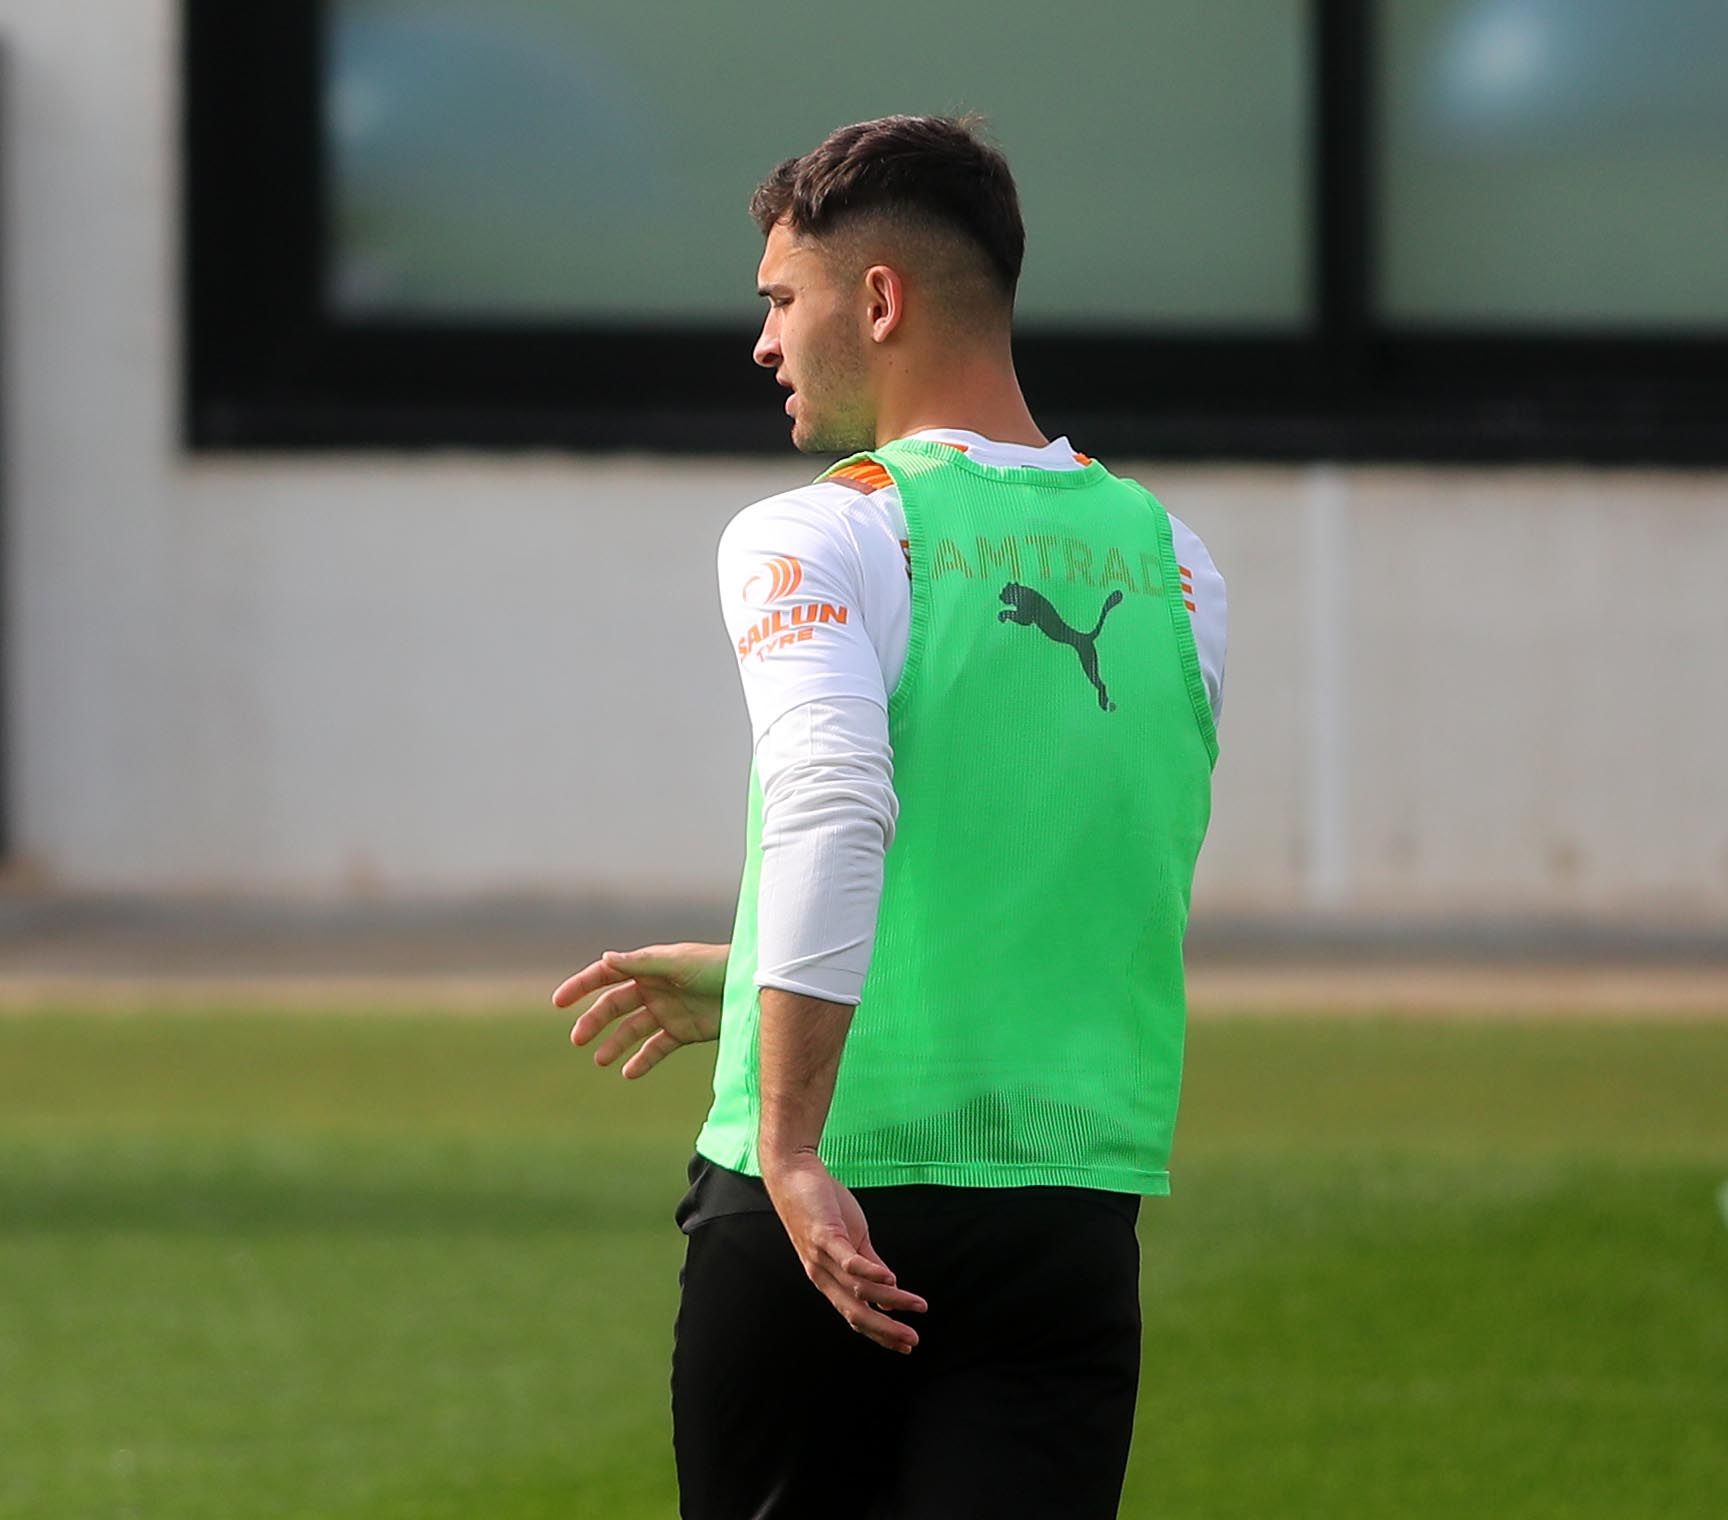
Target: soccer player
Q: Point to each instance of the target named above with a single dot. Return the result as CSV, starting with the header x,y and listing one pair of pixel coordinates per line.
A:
x,y
982,674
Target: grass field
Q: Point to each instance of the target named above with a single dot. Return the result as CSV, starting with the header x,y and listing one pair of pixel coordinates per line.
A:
x,y
394,1267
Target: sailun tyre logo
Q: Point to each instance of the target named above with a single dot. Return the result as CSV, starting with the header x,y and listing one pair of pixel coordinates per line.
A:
x,y
785,575
789,622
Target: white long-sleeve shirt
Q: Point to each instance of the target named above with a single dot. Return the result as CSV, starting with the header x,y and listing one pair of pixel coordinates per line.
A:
x,y
817,695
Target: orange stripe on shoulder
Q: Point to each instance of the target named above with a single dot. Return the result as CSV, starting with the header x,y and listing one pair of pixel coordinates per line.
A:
x,y
1083,459
865,476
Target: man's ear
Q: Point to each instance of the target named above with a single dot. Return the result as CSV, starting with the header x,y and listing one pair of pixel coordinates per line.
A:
x,y
885,300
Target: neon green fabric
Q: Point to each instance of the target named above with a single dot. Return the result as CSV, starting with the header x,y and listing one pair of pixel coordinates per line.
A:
x,y
1023,1015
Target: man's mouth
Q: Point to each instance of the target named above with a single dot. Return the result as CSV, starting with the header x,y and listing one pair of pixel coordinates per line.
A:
x,y
789,400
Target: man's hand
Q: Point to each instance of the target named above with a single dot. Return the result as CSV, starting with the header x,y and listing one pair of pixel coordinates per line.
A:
x,y
832,1240
669,995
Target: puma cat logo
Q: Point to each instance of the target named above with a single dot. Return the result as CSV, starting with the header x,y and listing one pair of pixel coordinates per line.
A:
x,y
1028,606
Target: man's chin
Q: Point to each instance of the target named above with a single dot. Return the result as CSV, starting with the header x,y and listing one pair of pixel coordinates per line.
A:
x,y
808,440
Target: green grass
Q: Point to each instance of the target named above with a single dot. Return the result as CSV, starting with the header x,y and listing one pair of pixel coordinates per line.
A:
x,y
394,1267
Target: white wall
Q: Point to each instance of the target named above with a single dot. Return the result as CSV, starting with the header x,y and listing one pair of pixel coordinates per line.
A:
x,y
1477,690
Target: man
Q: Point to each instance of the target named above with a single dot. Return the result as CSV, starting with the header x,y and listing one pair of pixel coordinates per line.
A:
x,y
982,674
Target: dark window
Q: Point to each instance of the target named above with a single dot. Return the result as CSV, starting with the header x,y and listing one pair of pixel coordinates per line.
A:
x,y
1443,229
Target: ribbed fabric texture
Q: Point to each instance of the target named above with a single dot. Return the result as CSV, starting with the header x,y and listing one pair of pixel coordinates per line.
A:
x,y
1023,1017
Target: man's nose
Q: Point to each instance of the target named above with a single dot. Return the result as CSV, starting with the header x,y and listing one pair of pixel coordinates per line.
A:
x,y
767,351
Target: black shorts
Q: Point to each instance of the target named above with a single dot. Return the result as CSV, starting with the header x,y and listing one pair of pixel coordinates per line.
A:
x,y
1017,1403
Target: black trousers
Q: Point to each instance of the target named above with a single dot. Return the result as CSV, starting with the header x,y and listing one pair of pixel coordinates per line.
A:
x,y
1017,1402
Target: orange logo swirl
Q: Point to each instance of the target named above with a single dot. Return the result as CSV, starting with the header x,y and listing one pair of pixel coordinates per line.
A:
x,y
785,575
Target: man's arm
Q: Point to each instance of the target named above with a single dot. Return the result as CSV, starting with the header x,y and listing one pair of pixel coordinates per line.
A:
x,y
817,702
800,1040
819,727
799,1043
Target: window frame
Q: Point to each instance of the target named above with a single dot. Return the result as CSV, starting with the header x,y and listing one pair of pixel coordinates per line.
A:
x,y
267,367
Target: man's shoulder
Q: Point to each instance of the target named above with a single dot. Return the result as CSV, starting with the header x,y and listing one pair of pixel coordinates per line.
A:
x,y
818,512
1190,548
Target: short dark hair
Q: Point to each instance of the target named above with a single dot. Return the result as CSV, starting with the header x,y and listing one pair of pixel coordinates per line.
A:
x,y
936,168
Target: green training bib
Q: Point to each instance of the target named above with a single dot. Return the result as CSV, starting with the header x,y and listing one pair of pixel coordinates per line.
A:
x,y
1023,1015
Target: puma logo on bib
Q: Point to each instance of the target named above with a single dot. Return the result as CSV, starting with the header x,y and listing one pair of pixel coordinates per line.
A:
x,y
1027,606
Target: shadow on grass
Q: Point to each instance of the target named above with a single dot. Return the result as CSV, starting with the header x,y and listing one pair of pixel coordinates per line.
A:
x,y
297,1189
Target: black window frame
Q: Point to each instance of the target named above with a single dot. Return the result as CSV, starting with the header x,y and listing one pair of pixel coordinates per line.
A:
x,y
268,367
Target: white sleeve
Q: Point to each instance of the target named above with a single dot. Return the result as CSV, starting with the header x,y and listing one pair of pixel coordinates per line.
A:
x,y
814,688
828,816
1203,589
791,586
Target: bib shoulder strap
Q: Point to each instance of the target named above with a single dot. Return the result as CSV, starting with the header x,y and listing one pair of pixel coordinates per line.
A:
x,y
893,463
862,472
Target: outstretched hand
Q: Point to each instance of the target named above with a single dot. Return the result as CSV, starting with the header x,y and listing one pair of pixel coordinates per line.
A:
x,y
663,995
832,1239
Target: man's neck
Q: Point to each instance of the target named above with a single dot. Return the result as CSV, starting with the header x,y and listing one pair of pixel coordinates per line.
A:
x,y
985,400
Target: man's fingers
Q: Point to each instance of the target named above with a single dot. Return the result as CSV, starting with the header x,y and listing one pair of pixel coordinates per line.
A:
x,y
618,966
869,1252
650,960
592,978
871,1280
849,1260
632,1029
613,1003
650,1055
886,1296
858,1313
